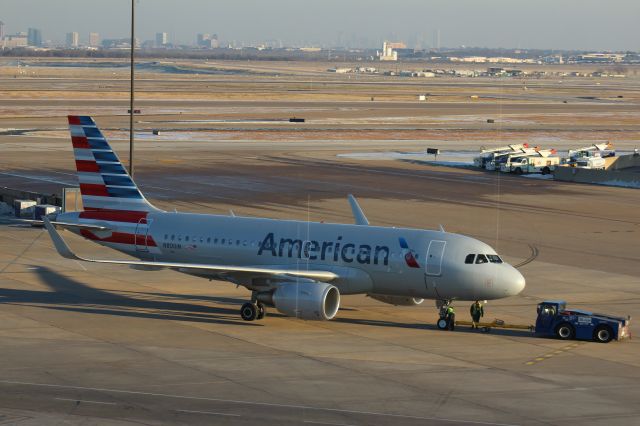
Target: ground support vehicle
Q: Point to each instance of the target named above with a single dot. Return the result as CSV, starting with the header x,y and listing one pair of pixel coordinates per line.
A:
x,y
531,164
554,319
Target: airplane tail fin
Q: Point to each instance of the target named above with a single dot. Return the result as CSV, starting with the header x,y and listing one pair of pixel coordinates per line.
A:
x,y
105,184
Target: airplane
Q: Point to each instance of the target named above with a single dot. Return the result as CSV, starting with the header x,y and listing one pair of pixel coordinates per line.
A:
x,y
300,268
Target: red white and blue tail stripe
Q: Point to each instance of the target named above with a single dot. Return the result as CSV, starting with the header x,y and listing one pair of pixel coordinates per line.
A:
x,y
105,184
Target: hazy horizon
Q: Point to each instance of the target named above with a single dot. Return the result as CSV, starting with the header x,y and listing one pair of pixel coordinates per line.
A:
x,y
565,25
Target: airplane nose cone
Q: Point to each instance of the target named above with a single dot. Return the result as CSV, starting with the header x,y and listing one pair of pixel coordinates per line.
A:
x,y
514,282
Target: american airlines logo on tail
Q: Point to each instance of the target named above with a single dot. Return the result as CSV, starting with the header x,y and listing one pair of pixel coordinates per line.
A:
x,y
409,255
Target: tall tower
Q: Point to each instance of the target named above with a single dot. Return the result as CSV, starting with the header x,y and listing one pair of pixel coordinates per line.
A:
x,y
161,39
94,39
34,37
1,30
73,39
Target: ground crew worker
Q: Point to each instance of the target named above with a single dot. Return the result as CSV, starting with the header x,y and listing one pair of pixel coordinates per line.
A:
x,y
477,312
451,317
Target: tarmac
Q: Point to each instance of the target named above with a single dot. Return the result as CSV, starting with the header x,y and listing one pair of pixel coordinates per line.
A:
x,y
101,344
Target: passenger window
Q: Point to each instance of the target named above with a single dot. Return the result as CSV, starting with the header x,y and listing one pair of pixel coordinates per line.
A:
x,y
469,259
186,238
179,237
166,236
208,240
222,241
215,241
173,237
202,239
481,259
237,242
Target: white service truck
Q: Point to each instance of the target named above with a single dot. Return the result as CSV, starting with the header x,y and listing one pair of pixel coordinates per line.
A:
x,y
489,155
590,157
593,162
499,159
530,164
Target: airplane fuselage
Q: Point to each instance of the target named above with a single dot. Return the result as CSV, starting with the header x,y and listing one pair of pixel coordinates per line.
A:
x,y
367,259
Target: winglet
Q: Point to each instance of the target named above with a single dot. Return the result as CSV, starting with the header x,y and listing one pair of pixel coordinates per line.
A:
x,y
442,228
358,214
62,247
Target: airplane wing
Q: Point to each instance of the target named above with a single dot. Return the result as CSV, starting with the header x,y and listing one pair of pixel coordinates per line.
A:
x,y
78,226
64,251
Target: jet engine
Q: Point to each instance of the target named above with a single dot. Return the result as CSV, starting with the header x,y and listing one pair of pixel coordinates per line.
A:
x,y
397,300
305,300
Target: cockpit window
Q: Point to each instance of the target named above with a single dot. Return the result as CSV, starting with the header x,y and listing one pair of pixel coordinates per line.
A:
x,y
494,258
469,258
481,259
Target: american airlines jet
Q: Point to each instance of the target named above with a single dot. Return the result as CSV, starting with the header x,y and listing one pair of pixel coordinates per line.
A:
x,y
299,268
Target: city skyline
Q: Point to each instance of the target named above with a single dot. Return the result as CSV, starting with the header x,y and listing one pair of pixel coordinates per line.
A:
x,y
569,25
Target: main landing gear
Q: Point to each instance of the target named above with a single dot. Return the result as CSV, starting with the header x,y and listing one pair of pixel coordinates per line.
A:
x,y
253,310
447,317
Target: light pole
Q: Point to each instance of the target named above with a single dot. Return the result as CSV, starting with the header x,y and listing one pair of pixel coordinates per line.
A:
x,y
133,46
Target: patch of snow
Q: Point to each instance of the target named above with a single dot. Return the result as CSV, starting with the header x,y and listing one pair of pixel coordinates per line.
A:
x,y
620,183
538,176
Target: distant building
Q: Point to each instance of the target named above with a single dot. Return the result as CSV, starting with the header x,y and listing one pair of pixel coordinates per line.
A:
x,y
73,39
396,45
388,54
34,37
118,43
162,39
94,39
1,30
214,43
202,38
208,41
600,57
15,40
553,59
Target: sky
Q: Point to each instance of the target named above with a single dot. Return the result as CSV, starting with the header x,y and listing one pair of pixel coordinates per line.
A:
x,y
531,24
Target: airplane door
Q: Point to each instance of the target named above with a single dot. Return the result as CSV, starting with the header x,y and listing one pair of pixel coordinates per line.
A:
x,y
141,235
435,252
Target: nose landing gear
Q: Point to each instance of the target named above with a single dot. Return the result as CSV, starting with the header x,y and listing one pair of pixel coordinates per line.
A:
x,y
447,315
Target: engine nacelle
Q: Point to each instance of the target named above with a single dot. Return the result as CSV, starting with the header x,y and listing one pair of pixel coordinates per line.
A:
x,y
397,300
306,300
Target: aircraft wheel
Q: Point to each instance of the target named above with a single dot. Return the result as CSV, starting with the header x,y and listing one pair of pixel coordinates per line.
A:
x,y
518,171
443,324
603,334
262,311
249,312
